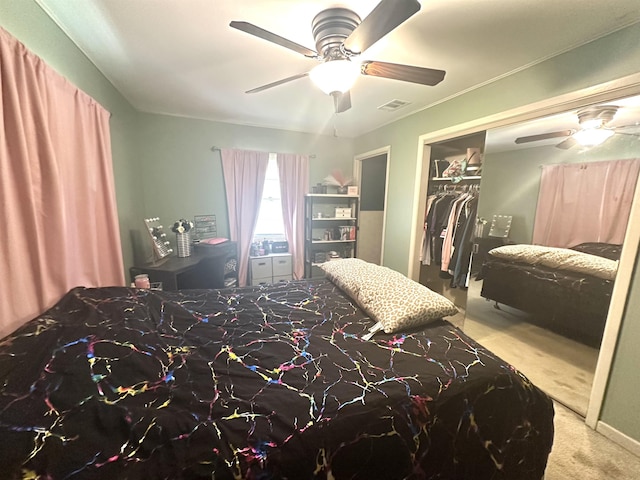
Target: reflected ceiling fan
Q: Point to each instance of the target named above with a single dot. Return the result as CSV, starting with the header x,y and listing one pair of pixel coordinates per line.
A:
x,y
340,37
594,129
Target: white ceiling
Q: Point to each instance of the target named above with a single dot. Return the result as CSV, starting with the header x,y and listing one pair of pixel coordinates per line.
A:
x,y
180,57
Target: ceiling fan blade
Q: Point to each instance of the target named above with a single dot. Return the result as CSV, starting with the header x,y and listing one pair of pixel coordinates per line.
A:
x,y
567,144
387,15
279,82
632,129
272,37
406,73
544,136
341,101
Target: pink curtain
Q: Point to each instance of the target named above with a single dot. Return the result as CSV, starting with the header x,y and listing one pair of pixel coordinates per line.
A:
x,y
244,173
57,203
585,202
294,184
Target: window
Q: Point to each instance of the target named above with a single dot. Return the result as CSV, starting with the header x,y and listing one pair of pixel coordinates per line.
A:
x,y
270,224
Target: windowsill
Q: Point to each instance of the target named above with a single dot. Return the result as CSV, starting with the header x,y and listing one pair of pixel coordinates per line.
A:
x,y
274,237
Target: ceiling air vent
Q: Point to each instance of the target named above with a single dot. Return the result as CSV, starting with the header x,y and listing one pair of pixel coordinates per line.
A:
x,y
393,105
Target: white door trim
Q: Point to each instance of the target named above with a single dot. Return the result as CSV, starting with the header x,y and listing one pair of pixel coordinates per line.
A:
x,y
357,174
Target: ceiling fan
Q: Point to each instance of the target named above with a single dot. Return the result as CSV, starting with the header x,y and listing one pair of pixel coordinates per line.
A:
x,y
340,37
594,128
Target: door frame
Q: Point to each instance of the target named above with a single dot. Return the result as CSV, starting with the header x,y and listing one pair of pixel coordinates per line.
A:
x,y
357,174
608,91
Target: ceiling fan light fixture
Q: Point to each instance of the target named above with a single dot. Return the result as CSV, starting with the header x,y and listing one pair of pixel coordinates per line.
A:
x,y
592,123
590,137
335,75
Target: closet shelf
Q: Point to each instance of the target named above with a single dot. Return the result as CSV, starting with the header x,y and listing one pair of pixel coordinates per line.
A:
x,y
441,179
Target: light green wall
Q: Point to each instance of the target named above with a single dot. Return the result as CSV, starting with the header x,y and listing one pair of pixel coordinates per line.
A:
x,y
26,21
614,56
182,176
511,180
144,158
509,186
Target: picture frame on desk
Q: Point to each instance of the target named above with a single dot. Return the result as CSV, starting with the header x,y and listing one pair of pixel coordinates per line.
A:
x,y
205,227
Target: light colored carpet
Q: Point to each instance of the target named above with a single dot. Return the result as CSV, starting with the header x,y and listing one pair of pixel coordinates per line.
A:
x,y
581,453
578,451
561,367
564,370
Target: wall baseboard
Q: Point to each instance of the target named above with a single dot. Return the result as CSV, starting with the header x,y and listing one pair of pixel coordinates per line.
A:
x,y
619,438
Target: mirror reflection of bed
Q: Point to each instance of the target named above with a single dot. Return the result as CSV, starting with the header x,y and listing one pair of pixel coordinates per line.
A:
x,y
550,339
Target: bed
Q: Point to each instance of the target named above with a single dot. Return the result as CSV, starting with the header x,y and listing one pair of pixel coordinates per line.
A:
x,y
265,382
567,291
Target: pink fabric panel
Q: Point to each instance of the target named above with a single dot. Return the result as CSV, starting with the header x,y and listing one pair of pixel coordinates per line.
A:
x,y
244,173
57,198
585,202
294,184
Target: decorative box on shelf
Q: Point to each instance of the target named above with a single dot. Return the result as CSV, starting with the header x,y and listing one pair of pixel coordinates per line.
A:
x,y
343,212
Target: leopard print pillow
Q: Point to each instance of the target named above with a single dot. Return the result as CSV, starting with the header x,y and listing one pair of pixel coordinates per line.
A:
x,y
560,258
387,296
346,273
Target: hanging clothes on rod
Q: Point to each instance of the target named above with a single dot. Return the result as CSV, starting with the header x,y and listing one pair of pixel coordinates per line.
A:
x,y
438,206
460,262
448,231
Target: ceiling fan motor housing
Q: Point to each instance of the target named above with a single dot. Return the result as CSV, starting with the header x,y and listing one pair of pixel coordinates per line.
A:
x,y
596,116
330,29
340,35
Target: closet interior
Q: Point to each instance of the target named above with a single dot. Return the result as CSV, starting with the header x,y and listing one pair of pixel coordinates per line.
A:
x,y
450,216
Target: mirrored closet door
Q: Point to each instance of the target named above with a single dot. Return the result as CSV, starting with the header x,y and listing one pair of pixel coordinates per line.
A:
x,y
546,320
556,347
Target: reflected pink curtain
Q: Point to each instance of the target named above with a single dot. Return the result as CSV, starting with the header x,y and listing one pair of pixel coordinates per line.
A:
x,y
585,202
57,202
294,184
244,173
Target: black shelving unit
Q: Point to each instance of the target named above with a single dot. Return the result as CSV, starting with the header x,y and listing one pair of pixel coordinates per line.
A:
x,y
331,229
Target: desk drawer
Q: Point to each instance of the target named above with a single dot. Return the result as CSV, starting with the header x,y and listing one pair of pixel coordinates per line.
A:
x,y
282,265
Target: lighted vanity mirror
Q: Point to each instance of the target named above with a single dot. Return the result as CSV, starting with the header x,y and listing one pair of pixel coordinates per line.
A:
x,y
159,243
532,326
500,226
